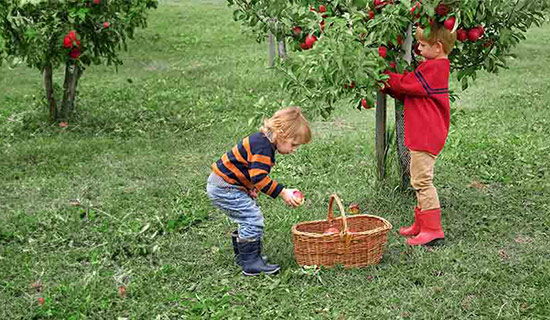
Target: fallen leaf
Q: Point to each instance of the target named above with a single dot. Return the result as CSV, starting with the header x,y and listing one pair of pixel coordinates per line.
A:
x,y
37,286
478,185
523,239
503,254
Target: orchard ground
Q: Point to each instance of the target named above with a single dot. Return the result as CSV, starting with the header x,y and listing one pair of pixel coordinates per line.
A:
x,y
117,198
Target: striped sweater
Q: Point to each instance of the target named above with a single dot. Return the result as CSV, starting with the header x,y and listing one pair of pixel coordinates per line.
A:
x,y
248,165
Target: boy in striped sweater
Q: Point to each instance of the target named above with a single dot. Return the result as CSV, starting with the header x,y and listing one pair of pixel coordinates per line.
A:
x,y
243,171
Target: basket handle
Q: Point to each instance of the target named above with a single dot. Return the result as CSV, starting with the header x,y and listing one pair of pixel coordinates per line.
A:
x,y
342,212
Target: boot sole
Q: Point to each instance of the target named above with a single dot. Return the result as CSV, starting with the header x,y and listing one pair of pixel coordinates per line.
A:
x,y
432,243
269,273
435,243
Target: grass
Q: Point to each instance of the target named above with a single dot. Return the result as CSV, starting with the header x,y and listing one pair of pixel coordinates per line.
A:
x,y
117,198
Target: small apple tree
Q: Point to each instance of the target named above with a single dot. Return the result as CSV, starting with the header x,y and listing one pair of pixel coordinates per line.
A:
x,y
46,34
342,47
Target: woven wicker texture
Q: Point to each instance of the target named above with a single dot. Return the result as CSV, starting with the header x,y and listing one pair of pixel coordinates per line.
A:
x,y
361,240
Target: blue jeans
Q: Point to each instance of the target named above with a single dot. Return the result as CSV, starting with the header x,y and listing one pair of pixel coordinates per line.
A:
x,y
238,205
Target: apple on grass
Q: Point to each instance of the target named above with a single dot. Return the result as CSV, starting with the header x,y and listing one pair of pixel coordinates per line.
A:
x,y
354,208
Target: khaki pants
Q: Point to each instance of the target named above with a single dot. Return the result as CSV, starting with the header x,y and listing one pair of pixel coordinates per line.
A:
x,y
422,175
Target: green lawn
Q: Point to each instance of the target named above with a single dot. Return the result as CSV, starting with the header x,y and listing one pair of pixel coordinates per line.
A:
x,y
118,198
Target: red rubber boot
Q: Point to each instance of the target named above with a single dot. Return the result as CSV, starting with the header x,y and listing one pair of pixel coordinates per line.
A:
x,y
430,228
414,229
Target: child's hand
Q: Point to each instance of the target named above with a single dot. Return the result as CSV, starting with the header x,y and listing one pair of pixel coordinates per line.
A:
x,y
289,197
253,193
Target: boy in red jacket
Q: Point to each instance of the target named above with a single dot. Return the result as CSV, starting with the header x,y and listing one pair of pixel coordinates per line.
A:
x,y
426,95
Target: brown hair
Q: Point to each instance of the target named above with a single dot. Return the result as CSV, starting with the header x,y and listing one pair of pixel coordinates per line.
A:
x,y
439,34
287,123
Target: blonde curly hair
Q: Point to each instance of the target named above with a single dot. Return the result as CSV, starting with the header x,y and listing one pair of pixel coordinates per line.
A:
x,y
287,123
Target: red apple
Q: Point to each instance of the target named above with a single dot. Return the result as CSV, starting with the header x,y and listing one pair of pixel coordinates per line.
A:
x,y
331,230
67,42
399,40
96,1
296,31
442,9
371,14
352,85
382,51
122,291
322,8
481,30
392,65
461,35
106,25
354,208
310,40
41,301
75,53
415,10
298,196
450,23
474,34
365,104
304,46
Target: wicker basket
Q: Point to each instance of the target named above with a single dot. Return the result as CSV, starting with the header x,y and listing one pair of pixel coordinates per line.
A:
x,y
363,245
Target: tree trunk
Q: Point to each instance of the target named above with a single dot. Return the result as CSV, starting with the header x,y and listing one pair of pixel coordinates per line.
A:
x,y
72,75
381,141
272,48
403,154
48,87
282,50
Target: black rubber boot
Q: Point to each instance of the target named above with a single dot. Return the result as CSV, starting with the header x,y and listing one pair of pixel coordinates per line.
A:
x,y
234,236
251,258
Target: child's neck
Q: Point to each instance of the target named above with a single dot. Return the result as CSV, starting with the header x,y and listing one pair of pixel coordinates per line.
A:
x,y
441,56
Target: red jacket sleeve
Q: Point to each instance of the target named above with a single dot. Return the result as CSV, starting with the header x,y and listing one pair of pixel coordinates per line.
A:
x,y
406,85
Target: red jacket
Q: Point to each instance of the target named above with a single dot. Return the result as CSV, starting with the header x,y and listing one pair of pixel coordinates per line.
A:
x,y
426,95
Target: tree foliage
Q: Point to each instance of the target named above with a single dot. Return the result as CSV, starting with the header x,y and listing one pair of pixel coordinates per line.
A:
x,y
46,34
343,46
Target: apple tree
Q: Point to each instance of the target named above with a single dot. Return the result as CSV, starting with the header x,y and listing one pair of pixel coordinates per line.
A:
x,y
47,34
342,47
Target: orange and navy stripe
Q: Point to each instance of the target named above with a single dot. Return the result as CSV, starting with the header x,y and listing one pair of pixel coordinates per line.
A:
x,y
248,164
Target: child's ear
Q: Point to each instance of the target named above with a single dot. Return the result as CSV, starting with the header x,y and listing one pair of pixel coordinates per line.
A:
x,y
440,46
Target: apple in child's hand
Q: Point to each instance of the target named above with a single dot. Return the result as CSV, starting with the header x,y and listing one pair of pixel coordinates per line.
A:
x,y
331,230
299,197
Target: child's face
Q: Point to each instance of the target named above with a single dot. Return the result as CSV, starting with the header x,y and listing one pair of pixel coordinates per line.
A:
x,y
286,146
431,51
